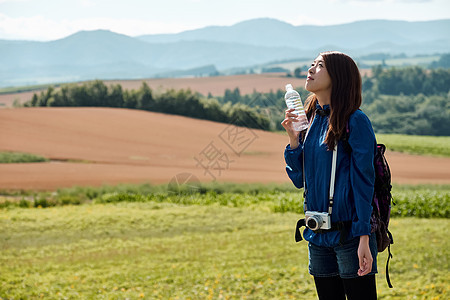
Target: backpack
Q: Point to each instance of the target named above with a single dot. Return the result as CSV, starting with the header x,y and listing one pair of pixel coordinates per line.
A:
x,y
381,202
382,199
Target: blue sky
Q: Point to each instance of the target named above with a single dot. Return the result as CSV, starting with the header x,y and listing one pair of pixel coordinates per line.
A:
x,y
54,19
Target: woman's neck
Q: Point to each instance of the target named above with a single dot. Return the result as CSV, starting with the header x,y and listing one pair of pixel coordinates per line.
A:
x,y
324,99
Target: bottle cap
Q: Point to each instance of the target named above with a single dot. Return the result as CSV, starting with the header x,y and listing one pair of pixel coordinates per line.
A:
x,y
289,87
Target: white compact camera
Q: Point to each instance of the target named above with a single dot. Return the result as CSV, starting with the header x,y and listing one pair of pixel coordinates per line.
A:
x,y
317,220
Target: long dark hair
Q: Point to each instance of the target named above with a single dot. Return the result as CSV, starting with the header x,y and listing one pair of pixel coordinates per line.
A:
x,y
345,94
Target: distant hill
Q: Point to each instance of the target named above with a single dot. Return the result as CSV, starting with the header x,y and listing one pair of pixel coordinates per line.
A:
x,y
353,36
107,55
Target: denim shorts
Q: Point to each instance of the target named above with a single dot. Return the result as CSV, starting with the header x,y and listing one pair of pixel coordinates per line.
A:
x,y
340,260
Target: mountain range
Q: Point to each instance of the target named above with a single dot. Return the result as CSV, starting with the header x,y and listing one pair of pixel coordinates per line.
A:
x,y
107,55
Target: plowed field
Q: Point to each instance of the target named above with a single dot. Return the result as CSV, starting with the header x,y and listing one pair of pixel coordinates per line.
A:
x,y
94,146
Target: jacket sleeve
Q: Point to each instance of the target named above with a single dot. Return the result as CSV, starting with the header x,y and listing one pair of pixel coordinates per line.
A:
x,y
294,164
362,173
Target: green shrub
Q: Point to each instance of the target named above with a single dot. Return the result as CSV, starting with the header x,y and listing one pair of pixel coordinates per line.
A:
x,y
5,204
44,202
422,201
19,157
24,203
120,197
422,204
67,199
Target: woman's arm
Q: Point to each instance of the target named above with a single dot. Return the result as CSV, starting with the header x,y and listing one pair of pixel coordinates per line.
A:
x,y
362,173
362,177
294,165
293,151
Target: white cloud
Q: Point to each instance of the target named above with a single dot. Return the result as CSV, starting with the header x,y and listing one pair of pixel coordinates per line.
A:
x,y
41,28
130,27
388,1
26,19
36,28
305,20
87,3
4,1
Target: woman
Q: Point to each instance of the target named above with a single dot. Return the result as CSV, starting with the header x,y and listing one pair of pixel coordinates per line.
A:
x,y
343,262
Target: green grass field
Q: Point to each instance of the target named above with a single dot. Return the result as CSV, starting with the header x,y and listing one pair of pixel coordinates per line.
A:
x,y
226,241
423,61
19,157
167,251
415,144
27,88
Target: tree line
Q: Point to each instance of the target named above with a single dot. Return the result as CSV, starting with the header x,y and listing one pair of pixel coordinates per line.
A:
x,y
414,114
178,102
409,80
408,100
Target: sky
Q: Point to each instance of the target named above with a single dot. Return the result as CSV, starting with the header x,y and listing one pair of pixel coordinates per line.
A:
x,y
44,20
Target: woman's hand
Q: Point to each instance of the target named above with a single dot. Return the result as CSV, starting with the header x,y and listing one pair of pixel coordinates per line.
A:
x,y
287,123
364,255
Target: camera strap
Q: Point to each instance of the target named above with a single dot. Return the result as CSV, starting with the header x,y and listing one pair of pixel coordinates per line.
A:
x,y
343,226
305,190
332,180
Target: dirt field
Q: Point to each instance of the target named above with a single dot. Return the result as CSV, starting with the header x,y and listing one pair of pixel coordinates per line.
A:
x,y
7,100
204,85
94,146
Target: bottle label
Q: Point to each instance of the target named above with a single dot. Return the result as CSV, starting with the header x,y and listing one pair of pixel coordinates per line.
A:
x,y
296,103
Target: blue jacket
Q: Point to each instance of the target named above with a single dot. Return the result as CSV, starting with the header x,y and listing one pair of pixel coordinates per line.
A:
x,y
355,176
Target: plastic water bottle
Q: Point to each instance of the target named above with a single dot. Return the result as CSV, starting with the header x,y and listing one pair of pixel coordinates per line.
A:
x,y
292,98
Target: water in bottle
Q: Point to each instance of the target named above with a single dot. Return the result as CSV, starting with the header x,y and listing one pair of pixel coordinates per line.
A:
x,y
293,100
